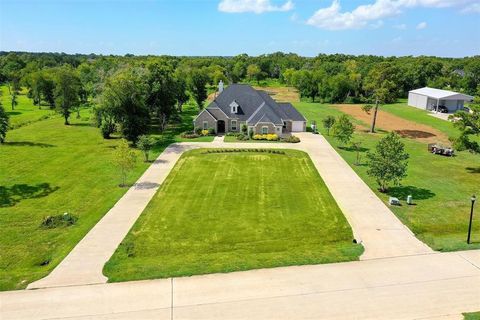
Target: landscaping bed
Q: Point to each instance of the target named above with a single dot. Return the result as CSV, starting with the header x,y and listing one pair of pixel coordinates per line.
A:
x,y
222,211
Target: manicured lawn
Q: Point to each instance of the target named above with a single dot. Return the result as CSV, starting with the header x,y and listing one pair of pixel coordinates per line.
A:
x,y
47,168
221,212
441,187
471,316
25,112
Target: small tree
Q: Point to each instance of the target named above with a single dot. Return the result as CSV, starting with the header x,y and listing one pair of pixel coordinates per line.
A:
x,y
343,129
145,143
3,124
125,159
328,123
469,125
388,164
357,145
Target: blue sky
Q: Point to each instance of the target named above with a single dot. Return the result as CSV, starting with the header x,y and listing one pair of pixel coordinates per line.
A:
x,y
230,27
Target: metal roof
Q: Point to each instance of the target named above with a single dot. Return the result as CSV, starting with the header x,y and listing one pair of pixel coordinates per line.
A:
x,y
442,94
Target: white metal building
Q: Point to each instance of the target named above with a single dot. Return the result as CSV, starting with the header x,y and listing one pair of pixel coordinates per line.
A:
x,y
431,98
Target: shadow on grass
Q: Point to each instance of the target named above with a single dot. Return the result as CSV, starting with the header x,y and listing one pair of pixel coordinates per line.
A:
x,y
402,192
473,170
28,144
81,124
352,149
10,196
13,113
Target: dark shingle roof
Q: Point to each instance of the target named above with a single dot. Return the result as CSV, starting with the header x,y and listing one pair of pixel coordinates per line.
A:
x,y
254,106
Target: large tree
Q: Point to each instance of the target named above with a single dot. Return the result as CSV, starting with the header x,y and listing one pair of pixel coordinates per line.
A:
x,y
123,101
388,164
197,85
161,92
66,92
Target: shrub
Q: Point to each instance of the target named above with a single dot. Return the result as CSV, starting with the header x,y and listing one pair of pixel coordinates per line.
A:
x,y
244,129
211,131
291,139
189,135
272,137
61,220
269,137
250,134
198,131
205,132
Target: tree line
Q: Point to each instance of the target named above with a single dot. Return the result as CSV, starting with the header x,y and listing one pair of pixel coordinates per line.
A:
x,y
129,92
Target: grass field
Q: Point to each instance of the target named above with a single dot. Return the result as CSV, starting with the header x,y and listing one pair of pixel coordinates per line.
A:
x,y
441,187
471,316
47,168
235,211
25,112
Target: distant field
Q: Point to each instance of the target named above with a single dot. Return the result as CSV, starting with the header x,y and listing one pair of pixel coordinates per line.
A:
x,y
235,211
440,186
47,168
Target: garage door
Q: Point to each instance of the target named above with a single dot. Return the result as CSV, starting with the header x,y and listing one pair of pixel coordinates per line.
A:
x,y
297,126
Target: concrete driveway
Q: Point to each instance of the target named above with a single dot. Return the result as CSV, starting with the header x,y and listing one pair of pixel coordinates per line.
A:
x,y
373,224
433,286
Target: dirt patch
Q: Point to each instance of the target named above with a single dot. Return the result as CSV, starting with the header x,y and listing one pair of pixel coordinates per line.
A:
x,y
282,94
389,122
279,94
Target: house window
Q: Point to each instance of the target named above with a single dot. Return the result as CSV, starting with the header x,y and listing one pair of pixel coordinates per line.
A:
x,y
234,125
264,130
284,125
205,125
234,109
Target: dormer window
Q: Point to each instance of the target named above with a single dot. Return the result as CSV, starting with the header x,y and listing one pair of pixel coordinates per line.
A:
x,y
234,107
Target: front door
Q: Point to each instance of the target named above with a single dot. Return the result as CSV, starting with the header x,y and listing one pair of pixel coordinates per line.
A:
x,y
220,126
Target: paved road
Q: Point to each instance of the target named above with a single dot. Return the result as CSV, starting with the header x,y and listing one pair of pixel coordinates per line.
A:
x,y
431,286
381,233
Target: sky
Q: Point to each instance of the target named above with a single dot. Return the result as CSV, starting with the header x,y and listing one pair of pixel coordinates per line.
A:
x,y
448,28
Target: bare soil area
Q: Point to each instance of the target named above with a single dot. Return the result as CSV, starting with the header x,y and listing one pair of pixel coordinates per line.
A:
x,y
390,122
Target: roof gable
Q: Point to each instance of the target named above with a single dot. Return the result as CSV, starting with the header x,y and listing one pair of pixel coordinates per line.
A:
x,y
253,106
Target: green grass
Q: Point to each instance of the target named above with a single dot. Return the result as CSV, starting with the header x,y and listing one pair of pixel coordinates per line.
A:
x,y
25,112
47,168
221,212
471,316
441,186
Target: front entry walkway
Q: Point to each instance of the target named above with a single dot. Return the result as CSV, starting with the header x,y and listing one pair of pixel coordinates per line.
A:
x,y
379,230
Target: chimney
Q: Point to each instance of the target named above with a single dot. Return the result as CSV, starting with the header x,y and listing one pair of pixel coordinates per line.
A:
x,y
220,86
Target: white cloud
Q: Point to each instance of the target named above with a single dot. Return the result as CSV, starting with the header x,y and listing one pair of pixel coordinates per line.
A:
x,y
332,18
377,25
402,26
255,6
473,8
421,25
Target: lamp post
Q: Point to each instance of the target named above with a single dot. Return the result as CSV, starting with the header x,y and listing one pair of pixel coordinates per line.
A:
x,y
473,198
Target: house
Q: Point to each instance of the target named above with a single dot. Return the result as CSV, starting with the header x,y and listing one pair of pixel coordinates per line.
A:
x,y
435,99
240,104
